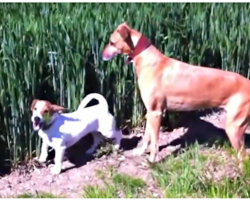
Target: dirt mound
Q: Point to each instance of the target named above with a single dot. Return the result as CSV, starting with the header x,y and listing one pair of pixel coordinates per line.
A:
x,y
32,178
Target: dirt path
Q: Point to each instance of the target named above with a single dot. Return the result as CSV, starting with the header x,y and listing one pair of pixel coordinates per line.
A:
x,y
71,182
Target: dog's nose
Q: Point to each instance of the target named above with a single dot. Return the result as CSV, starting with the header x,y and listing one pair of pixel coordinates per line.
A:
x,y
37,119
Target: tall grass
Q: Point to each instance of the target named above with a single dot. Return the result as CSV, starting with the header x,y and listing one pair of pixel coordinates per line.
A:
x,y
53,51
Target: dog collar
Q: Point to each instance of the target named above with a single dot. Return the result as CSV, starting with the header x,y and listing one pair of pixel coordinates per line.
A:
x,y
143,43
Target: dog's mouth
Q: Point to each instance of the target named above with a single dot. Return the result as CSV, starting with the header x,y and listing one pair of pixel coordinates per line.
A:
x,y
37,125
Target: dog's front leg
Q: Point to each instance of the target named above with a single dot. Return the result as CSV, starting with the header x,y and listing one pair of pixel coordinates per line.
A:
x,y
44,152
152,124
58,160
145,142
154,121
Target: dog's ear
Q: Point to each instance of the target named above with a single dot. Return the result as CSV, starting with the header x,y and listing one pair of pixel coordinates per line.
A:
x,y
56,108
123,30
33,104
125,24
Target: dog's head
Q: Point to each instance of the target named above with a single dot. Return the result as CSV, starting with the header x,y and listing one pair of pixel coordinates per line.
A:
x,y
120,42
43,113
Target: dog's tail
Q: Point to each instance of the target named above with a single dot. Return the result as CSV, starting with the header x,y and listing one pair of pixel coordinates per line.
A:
x,y
102,101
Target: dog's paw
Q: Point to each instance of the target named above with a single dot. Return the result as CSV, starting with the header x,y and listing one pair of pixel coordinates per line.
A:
x,y
117,146
36,159
42,159
152,158
138,152
55,170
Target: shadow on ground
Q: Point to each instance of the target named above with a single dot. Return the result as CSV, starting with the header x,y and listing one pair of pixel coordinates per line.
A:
x,y
204,133
198,130
76,154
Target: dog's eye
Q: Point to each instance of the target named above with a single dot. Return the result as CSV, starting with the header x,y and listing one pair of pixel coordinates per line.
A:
x,y
111,43
35,108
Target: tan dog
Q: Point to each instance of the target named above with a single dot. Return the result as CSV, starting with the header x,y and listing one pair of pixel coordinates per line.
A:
x,y
166,83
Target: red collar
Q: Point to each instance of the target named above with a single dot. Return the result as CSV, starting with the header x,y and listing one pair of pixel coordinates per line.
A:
x,y
142,44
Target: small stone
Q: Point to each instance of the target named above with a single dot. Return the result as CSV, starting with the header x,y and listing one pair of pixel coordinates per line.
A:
x,y
155,195
121,158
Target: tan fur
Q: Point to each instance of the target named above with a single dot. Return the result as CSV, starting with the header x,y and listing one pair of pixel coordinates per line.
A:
x,y
166,83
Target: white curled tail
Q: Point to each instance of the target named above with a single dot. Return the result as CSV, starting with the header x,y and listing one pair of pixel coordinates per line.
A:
x,y
102,101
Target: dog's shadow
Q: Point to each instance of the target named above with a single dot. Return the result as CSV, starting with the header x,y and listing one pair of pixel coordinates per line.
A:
x,y
76,154
130,143
198,131
203,133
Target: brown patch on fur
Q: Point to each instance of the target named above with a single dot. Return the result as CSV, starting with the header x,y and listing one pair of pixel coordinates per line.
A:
x,y
33,104
47,108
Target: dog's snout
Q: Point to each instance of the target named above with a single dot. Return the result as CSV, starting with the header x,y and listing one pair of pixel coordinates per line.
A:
x,y
37,119
109,52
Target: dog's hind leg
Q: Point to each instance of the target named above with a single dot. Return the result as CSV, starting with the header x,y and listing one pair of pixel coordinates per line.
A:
x,y
116,135
97,138
118,138
236,126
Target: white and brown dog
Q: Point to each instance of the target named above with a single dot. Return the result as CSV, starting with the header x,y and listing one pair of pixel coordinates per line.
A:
x,y
61,130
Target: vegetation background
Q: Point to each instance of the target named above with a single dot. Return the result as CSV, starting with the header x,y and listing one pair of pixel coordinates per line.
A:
x,y
53,52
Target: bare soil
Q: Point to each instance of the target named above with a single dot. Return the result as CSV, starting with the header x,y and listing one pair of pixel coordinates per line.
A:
x,y
81,170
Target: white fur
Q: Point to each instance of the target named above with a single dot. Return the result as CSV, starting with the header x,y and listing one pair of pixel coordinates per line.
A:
x,y
68,128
